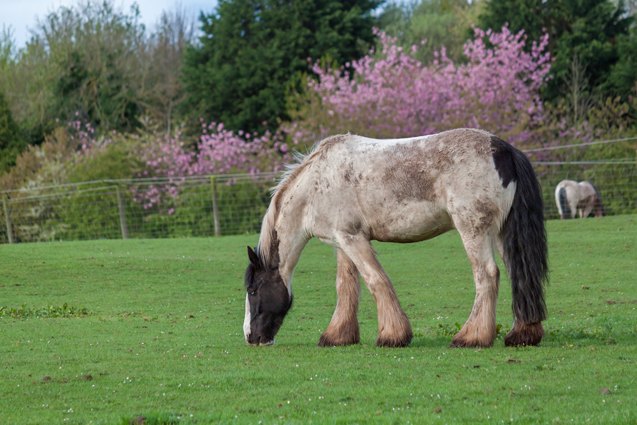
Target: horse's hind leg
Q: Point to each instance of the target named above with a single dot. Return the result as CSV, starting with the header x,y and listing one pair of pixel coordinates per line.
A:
x,y
480,328
343,329
394,329
573,206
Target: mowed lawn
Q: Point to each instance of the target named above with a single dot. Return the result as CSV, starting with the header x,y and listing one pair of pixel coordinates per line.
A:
x,y
150,331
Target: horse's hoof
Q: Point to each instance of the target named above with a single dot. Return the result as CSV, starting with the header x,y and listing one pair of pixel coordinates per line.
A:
x,y
524,334
394,342
327,341
469,338
461,343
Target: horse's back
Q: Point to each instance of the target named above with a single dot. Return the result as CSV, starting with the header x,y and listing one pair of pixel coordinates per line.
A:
x,y
427,168
456,142
411,189
586,189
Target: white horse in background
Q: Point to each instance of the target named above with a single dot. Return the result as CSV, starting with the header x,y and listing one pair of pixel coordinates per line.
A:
x,y
573,198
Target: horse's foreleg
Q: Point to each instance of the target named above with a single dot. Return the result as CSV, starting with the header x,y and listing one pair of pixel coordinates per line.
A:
x,y
585,211
394,329
343,329
480,328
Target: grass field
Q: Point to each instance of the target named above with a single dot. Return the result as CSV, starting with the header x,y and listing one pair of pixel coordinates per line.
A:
x,y
150,331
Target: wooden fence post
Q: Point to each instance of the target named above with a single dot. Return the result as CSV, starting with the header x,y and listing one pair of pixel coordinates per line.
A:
x,y
7,220
215,206
123,225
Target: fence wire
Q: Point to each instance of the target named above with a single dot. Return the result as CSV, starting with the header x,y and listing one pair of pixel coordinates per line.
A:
x,y
223,205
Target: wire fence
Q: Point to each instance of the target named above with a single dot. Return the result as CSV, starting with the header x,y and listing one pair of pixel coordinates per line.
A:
x,y
223,205
141,208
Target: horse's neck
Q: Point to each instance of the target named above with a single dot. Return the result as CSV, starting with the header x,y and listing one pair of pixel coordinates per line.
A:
x,y
290,249
288,236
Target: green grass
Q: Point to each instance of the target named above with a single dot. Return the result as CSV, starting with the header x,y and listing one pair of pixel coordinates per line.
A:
x,y
110,332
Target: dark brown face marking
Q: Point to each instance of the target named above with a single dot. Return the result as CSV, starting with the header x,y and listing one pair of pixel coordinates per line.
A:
x,y
268,299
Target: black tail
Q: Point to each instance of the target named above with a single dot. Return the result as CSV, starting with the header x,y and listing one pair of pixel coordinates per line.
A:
x,y
566,210
523,234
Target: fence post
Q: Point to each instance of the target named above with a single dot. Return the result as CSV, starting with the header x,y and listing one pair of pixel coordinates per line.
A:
x,y
123,225
215,206
7,220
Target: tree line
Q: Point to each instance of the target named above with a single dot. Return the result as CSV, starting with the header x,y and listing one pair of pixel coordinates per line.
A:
x,y
95,94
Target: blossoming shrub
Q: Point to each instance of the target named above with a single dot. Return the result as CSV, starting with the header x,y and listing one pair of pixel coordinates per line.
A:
x,y
218,151
35,184
389,93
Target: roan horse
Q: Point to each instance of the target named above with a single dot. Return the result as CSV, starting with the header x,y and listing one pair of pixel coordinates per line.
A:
x,y
580,198
351,189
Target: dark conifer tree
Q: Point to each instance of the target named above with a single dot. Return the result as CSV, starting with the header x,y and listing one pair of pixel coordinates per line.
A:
x,y
251,50
583,34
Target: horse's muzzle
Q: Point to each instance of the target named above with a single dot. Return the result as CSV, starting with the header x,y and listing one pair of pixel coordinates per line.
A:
x,y
258,341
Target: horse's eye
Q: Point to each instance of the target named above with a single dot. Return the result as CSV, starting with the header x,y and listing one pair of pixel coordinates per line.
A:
x,y
252,292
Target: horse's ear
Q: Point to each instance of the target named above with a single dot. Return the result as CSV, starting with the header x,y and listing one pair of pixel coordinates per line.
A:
x,y
254,258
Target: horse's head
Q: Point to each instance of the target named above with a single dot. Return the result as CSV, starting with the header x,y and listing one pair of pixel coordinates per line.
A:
x,y
267,301
599,207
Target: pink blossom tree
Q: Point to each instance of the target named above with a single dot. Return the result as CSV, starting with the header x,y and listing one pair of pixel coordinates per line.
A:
x,y
218,151
389,93
221,151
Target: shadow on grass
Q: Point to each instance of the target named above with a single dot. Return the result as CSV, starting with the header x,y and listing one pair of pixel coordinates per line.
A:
x,y
602,332
155,419
591,336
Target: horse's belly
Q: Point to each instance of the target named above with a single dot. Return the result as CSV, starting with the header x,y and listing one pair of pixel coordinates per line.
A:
x,y
412,223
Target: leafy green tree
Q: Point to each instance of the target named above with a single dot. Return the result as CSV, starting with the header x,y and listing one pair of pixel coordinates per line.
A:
x,y
84,60
7,47
26,79
163,92
623,75
394,18
94,47
533,16
436,23
583,34
11,144
250,50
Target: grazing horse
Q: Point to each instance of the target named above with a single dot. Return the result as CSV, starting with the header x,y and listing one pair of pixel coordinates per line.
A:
x,y
350,190
580,198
